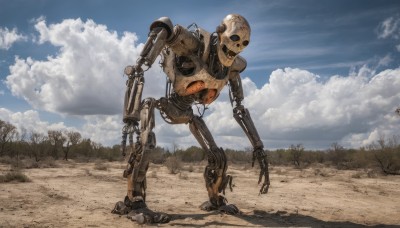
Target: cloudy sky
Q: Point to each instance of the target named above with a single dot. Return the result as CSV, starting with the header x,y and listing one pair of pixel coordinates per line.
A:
x,y
318,71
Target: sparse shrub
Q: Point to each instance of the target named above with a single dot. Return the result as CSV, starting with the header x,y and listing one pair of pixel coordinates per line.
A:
x,y
357,175
372,173
6,160
296,152
158,155
239,157
30,164
173,164
322,173
183,176
191,154
88,173
17,176
48,162
153,174
82,159
190,169
386,153
99,165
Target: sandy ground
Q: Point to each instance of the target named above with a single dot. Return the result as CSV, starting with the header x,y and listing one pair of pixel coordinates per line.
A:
x,y
77,195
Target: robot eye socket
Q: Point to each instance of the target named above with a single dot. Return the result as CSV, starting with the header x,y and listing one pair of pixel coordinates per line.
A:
x,y
235,38
245,43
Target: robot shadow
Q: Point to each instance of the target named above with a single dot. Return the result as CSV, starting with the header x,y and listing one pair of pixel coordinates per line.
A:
x,y
265,219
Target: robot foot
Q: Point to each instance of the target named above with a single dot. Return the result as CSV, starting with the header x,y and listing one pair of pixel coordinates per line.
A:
x,y
229,209
139,212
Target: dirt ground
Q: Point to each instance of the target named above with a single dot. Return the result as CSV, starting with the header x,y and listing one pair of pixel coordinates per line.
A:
x,y
78,195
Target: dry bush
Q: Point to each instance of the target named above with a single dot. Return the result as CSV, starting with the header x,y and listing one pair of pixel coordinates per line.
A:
x,y
153,174
48,162
322,173
6,160
100,165
191,154
18,164
173,164
29,164
372,173
189,168
88,173
357,175
17,176
82,159
183,176
71,164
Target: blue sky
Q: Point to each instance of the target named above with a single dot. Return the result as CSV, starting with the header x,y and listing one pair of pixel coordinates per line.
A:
x,y
320,46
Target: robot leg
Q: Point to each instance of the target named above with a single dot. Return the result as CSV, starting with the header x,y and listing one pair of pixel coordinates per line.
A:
x,y
134,203
215,171
139,160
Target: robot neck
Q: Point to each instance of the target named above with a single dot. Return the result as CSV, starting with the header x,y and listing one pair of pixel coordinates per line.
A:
x,y
216,69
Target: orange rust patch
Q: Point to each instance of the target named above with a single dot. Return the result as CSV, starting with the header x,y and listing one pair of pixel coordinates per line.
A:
x,y
211,94
195,87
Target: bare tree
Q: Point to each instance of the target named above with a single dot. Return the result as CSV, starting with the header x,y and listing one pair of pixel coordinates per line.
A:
x,y
57,140
36,144
175,147
337,154
296,152
387,155
22,144
8,132
72,138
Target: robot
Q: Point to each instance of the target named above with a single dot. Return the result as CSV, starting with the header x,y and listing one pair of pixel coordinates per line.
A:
x,y
198,65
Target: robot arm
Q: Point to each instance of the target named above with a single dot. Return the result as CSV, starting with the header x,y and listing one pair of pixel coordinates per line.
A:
x,y
242,116
160,31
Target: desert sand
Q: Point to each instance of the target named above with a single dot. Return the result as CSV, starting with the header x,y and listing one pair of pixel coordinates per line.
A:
x,y
78,195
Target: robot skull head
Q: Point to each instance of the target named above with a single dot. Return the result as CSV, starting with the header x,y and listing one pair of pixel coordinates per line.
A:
x,y
233,37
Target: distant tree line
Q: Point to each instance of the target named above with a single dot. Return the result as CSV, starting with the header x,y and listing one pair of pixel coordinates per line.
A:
x,y
56,144
383,154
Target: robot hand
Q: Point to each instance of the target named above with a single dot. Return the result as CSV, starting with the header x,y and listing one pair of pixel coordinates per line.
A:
x,y
263,162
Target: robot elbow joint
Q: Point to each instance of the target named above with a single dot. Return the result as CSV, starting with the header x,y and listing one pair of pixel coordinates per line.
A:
x,y
163,22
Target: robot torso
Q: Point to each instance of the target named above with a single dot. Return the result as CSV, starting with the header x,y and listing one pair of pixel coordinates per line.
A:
x,y
191,64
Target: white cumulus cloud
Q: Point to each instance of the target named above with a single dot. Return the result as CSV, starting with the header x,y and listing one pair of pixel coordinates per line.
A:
x,y
31,121
104,129
85,76
296,107
9,37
